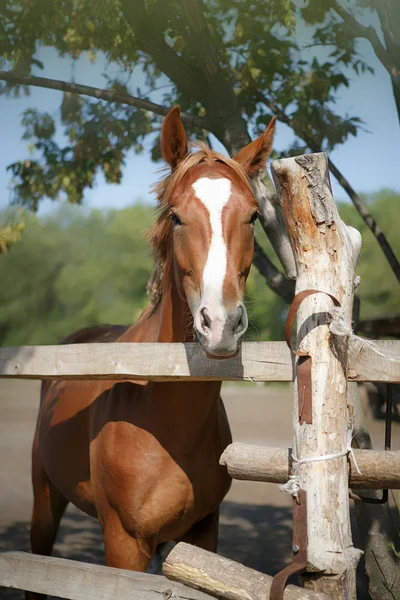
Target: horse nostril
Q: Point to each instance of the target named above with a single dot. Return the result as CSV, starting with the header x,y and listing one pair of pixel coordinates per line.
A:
x,y
205,319
240,321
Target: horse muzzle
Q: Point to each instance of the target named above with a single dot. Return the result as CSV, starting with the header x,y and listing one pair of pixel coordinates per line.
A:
x,y
220,331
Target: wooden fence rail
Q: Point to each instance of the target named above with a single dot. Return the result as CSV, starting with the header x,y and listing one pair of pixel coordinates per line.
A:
x,y
224,578
256,361
75,580
377,469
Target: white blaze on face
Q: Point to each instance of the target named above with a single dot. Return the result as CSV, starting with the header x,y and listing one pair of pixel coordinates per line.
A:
x,y
214,194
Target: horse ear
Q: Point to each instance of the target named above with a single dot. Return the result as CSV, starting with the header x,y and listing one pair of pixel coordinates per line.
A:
x,y
173,138
253,157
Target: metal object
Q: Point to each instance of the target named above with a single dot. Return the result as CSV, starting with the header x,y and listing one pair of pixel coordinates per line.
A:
x,y
304,389
299,547
388,443
304,363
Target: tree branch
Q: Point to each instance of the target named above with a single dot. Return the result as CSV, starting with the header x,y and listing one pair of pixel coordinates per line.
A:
x,y
275,279
389,15
355,198
272,222
151,39
369,34
100,94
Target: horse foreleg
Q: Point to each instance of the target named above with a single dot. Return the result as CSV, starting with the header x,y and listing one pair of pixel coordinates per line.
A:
x,y
204,534
123,550
48,508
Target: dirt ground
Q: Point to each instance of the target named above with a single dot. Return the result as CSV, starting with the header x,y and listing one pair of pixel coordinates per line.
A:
x,y
255,517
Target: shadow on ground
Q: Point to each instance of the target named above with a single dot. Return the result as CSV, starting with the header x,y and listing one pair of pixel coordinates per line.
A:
x,y
257,536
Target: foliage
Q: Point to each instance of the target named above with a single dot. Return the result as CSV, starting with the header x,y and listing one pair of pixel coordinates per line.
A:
x,y
76,268
11,231
97,139
218,58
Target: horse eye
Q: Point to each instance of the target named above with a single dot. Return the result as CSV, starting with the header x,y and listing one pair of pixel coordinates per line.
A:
x,y
253,218
175,220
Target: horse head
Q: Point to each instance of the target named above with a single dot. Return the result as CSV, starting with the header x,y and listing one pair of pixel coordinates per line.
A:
x,y
206,227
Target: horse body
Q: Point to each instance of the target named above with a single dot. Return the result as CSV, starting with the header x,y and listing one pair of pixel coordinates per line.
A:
x,y
143,457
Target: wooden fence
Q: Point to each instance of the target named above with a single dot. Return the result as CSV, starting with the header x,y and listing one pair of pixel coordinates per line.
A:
x,y
256,361
325,252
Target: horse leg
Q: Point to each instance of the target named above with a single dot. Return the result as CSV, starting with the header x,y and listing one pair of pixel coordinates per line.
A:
x,y
121,549
48,508
204,534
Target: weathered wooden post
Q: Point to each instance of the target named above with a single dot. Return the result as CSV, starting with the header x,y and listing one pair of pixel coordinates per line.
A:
x,y
326,252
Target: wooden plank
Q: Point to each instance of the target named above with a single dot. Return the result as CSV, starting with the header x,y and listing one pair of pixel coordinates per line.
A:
x,y
224,578
257,361
75,580
378,469
373,360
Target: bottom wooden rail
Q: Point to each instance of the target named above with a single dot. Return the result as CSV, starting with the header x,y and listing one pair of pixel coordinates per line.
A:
x,y
378,469
223,578
75,580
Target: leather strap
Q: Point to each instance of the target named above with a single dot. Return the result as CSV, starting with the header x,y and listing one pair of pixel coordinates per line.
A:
x,y
305,361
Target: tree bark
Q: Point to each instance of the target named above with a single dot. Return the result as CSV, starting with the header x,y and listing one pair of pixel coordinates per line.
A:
x,y
326,252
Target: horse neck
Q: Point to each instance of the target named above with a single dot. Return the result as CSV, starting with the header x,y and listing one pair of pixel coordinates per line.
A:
x,y
173,316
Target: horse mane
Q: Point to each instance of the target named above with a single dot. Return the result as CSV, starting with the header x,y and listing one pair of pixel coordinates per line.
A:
x,y
160,234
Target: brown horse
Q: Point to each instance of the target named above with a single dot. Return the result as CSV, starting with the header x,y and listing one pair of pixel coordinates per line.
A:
x,y
143,457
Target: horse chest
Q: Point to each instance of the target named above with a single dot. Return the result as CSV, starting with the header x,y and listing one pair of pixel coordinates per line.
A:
x,y
160,489
183,495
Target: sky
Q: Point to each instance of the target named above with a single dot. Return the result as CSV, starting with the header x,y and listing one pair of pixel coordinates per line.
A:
x,y
370,161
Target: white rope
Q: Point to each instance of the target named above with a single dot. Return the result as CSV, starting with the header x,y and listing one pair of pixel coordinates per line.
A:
x,y
293,486
347,450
